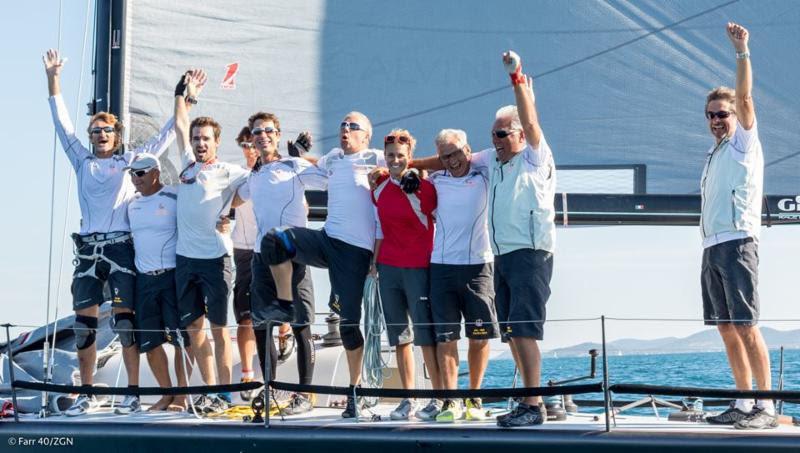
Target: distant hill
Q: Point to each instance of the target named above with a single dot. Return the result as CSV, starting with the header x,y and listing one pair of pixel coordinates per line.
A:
x,y
704,341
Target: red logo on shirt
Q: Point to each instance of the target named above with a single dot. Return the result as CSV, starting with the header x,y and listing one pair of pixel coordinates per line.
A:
x,y
228,82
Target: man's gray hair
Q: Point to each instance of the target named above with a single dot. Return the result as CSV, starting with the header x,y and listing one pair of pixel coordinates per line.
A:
x,y
510,111
444,136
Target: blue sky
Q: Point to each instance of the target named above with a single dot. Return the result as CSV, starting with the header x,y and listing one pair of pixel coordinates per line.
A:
x,y
619,271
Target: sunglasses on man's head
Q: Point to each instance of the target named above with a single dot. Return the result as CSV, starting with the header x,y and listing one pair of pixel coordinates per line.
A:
x,y
722,114
106,129
351,126
266,130
140,173
502,133
401,139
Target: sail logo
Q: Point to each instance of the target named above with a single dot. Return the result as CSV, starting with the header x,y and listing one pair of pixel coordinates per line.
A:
x,y
229,81
789,204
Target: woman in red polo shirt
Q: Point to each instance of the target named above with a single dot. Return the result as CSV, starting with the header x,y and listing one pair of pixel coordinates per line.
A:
x,y
403,254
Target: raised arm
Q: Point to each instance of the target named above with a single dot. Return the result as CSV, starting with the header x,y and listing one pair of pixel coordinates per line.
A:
x,y
61,120
190,83
52,66
526,102
745,109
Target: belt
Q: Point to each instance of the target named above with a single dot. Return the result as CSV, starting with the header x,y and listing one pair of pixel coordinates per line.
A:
x,y
157,272
105,238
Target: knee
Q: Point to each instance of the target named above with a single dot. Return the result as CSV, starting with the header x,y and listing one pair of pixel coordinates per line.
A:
x,y
351,336
124,327
85,329
277,246
748,334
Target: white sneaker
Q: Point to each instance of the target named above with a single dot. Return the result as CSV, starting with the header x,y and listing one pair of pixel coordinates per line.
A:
x,y
405,410
429,412
83,405
129,405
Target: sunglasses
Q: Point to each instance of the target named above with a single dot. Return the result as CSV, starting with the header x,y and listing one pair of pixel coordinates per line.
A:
x,y
266,130
722,114
140,173
106,129
351,126
401,139
246,145
502,133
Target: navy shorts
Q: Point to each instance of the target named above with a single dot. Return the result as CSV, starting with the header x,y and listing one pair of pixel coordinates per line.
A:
x,y
347,266
264,292
463,289
87,291
242,259
203,288
522,287
157,311
404,295
729,280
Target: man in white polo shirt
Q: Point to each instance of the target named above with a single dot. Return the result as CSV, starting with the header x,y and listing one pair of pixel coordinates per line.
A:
x,y
153,216
522,181
730,224
344,245
203,267
461,270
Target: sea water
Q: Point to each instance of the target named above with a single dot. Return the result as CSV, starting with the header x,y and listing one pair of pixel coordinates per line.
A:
x,y
707,369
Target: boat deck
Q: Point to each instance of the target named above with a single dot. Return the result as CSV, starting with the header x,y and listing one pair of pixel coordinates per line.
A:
x,y
324,428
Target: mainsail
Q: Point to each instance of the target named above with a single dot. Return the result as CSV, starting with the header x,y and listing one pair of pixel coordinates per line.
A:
x,y
618,83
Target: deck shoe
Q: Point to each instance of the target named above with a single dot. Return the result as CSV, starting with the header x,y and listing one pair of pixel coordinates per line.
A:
x,y
405,410
475,410
285,347
452,410
217,405
299,404
129,405
84,404
758,419
730,416
350,408
523,415
200,404
430,411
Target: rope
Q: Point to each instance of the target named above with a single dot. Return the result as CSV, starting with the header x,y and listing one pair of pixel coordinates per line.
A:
x,y
374,326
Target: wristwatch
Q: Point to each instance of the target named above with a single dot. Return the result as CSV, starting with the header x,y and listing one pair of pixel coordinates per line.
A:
x,y
191,100
742,55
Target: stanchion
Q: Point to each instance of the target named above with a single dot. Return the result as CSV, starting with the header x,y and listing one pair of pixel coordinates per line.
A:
x,y
11,372
267,372
606,390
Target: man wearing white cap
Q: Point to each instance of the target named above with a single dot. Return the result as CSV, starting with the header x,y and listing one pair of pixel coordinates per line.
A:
x,y
153,218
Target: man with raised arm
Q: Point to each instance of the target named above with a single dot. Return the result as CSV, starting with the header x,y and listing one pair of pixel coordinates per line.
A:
x,y
104,251
203,267
344,245
522,181
730,223
461,270
276,187
153,216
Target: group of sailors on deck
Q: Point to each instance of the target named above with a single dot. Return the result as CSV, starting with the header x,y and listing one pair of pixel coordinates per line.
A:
x,y
472,240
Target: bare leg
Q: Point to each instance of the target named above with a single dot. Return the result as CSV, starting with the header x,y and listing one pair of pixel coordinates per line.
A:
x,y
355,360
447,355
757,355
157,359
282,274
515,354
737,356
179,402
130,355
478,360
246,341
87,358
529,363
429,356
222,353
202,350
405,364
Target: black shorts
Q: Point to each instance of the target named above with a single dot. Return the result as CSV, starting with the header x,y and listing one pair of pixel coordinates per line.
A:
x,y
347,266
157,311
522,287
263,292
241,285
87,291
729,280
203,288
404,295
463,289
